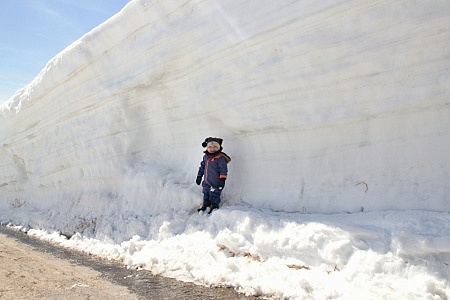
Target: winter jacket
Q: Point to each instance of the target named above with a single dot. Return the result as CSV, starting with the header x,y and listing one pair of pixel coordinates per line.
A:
x,y
213,167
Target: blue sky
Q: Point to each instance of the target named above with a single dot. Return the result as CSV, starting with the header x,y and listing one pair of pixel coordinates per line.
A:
x,y
33,31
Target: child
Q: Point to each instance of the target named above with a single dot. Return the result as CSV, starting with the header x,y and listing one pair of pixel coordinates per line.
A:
x,y
213,169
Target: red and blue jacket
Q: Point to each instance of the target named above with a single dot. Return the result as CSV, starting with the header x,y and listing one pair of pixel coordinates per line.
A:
x,y
213,167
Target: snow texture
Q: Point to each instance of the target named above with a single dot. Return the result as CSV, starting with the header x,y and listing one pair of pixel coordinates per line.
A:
x,y
336,115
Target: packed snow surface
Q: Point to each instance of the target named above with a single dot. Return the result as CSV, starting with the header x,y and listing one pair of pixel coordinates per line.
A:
x,y
336,115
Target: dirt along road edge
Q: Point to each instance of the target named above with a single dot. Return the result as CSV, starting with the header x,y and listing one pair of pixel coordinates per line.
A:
x,y
30,274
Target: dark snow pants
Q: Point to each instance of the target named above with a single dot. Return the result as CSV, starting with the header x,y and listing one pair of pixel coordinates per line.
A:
x,y
210,195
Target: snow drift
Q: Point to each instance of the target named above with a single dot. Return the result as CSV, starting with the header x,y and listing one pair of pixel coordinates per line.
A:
x,y
324,107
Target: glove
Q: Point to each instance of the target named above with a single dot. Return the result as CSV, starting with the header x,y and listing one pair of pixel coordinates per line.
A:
x,y
198,180
221,183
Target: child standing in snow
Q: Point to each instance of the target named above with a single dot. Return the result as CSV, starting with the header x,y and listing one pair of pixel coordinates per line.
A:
x,y
214,171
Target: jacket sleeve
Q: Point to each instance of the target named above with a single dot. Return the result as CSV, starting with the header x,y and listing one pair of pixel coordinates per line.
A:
x,y
223,168
201,169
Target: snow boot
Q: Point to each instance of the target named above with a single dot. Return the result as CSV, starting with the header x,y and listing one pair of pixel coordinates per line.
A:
x,y
203,208
213,207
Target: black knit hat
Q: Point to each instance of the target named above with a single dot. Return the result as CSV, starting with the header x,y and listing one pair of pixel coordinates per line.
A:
x,y
212,139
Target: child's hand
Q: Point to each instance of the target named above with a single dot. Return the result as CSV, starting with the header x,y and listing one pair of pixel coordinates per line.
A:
x,y
221,183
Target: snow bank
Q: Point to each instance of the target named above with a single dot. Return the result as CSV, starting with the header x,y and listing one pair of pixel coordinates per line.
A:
x,y
389,255
324,106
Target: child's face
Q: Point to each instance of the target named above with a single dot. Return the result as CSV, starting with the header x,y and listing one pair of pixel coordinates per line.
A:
x,y
212,148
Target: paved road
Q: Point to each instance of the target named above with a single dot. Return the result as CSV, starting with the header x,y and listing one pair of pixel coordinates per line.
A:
x,y
33,269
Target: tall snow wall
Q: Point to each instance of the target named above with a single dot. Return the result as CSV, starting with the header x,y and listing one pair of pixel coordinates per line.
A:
x,y
324,107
